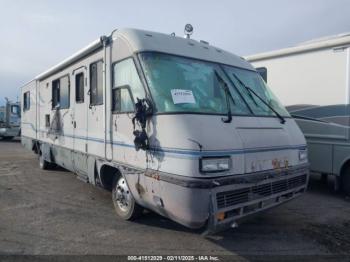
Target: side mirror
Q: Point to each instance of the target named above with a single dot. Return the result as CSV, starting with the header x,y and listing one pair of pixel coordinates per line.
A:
x,y
144,110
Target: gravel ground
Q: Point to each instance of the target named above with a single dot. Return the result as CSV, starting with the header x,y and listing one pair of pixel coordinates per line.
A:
x,y
52,212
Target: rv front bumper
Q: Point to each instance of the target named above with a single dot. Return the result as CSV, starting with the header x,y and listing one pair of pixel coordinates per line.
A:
x,y
233,202
220,202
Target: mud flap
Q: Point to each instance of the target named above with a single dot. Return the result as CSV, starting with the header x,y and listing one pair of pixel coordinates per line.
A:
x,y
46,152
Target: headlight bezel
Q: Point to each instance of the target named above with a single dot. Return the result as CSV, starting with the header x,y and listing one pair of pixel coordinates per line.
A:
x,y
302,155
226,159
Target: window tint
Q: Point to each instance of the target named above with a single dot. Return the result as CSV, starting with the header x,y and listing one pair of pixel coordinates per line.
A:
x,y
79,88
122,101
55,93
26,101
15,109
47,120
254,81
60,93
126,78
96,83
64,92
181,84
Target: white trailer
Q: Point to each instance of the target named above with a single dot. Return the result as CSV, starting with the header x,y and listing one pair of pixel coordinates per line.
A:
x,y
167,123
10,120
313,80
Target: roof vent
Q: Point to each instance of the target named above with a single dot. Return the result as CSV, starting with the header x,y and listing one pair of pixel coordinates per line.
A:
x,y
149,35
204,42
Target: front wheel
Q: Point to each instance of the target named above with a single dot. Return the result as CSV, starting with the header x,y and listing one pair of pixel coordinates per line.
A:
x,y
345,181
124,202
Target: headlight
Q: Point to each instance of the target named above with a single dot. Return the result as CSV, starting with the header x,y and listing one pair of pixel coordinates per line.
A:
x,y
302,155
215,164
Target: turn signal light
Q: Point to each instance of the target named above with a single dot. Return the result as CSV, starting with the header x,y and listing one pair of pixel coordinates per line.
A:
x,y
220,216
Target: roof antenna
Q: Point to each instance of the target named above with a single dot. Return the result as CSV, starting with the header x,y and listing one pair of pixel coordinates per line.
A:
x,y
188,31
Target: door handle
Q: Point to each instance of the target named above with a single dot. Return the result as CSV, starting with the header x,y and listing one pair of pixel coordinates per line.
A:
x,y
74,124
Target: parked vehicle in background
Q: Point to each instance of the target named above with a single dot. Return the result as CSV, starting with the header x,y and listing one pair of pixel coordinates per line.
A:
x,y
10,119
313,80
170,124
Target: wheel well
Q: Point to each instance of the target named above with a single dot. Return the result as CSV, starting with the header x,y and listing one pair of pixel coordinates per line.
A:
x,y
107,176
344,166
36,147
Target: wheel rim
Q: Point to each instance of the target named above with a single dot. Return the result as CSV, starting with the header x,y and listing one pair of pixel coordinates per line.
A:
x,y
122,195
41,161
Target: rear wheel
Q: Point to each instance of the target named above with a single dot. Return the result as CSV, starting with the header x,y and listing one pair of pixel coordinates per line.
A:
x,y
345,180
124,202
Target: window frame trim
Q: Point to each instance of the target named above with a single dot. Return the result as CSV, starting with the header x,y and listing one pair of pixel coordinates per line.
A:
x,y
103,88
134,59
25,103
131,97
75,82
69,93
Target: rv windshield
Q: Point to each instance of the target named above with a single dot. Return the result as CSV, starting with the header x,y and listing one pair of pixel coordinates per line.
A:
x,y
252,80
187,85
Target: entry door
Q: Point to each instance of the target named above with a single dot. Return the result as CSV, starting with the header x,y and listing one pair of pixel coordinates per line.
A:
x,y
80,121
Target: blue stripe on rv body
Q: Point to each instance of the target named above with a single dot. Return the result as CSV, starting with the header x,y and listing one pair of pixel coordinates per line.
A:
x,y
187,152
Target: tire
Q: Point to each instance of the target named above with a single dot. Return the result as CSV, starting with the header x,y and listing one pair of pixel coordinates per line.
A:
x,y
7,138
345,181
123,201
43,164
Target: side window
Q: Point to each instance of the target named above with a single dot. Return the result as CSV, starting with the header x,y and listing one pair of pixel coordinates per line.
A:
x,y
127,86
55,93
15,110
79,88
26,101
96,83
60,93
64,92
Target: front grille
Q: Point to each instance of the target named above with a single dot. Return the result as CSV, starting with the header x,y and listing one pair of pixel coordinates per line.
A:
x,y
242,195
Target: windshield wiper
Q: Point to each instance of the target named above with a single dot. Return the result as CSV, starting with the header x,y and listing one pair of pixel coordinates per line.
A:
x,y
228,96
251,91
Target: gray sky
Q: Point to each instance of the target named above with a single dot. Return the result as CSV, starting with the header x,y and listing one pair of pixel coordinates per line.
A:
x,y
36,34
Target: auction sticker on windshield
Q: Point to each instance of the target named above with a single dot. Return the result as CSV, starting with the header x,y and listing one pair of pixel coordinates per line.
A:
x,y
181,96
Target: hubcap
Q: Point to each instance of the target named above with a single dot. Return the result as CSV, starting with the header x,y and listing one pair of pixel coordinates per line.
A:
x,y
41,161
122,195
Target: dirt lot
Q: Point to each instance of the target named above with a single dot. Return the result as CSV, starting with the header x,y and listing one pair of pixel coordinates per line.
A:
x,y
52,212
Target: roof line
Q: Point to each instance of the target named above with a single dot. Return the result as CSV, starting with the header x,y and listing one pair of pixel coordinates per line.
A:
x,y
342,41
98,43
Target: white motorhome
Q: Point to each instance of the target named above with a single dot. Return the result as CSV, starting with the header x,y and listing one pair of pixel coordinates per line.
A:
x,y
167,123
313,81
10,120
